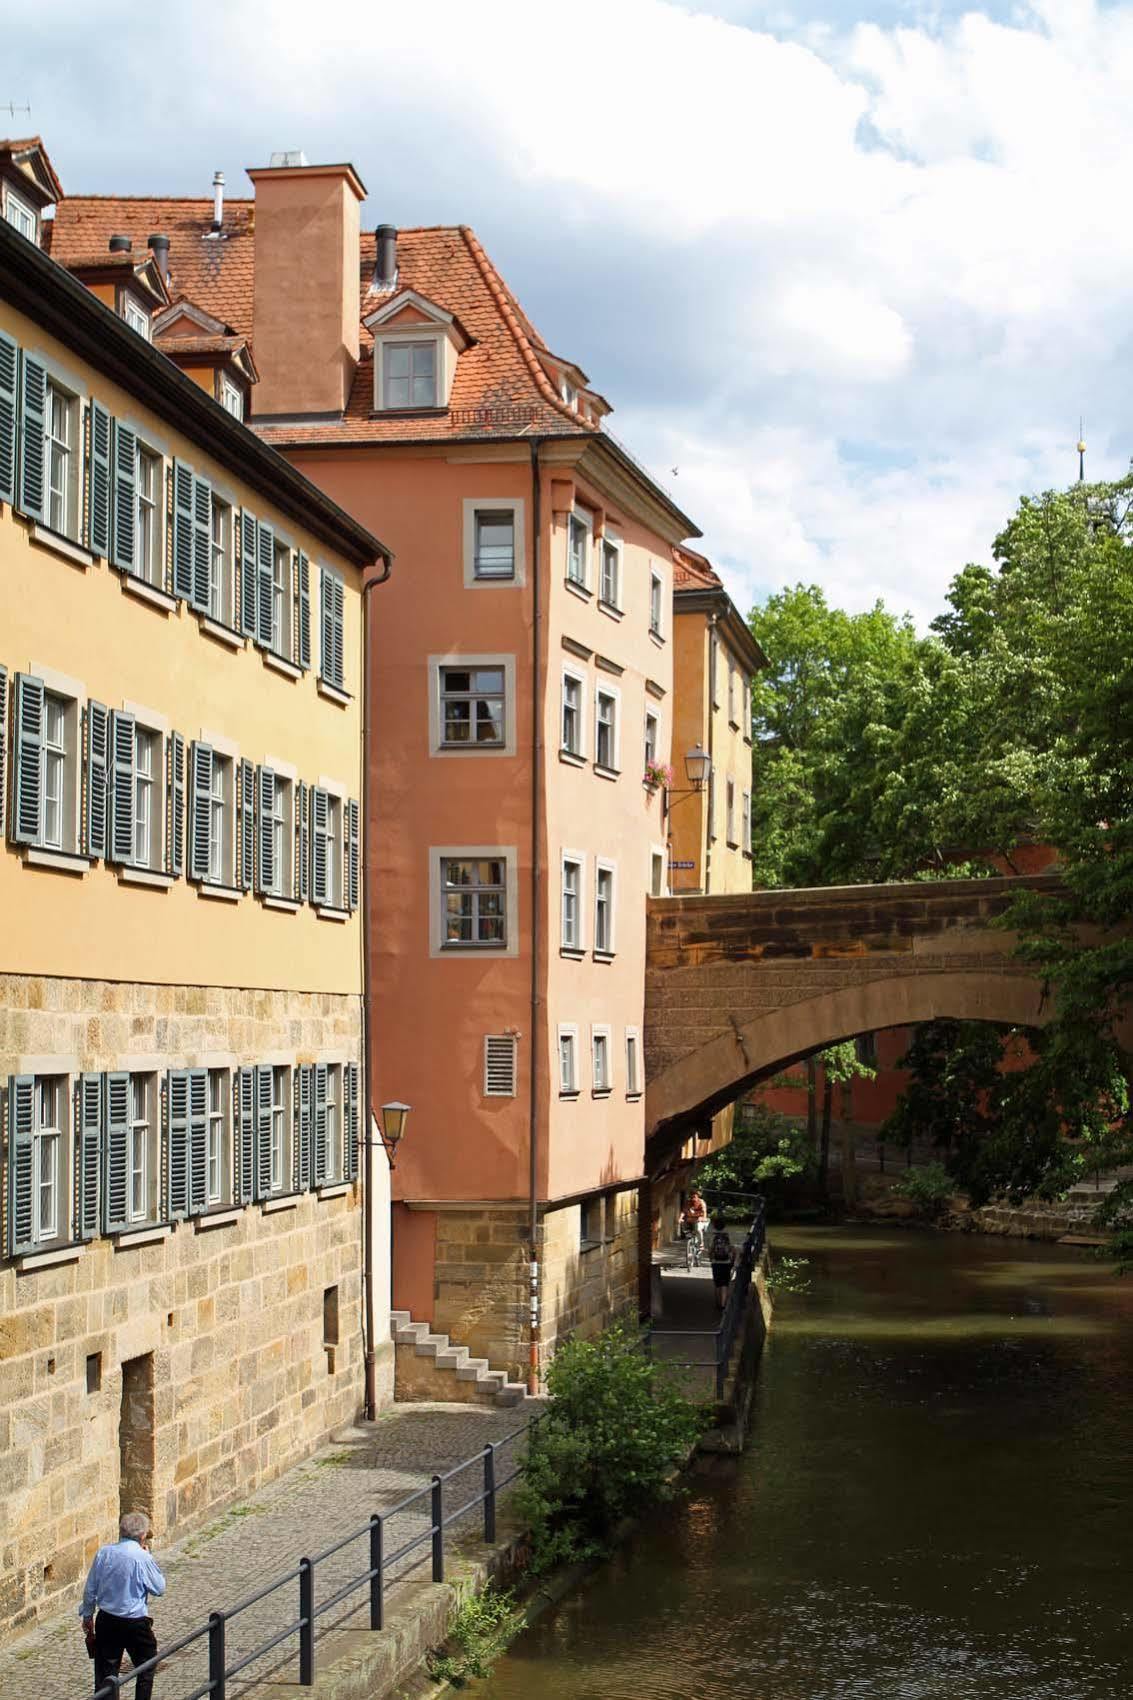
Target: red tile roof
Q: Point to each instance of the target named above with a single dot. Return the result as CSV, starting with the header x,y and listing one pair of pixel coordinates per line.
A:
x,y
16,151
694,572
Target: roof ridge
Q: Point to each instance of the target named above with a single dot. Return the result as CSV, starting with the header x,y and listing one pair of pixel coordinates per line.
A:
x,y
202,200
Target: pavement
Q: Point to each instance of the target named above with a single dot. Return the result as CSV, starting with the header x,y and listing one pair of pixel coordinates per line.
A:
x,y
364,1470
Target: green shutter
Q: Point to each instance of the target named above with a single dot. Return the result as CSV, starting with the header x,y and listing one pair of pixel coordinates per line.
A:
x,y
319,871
353,855
303,607
3,748
115,1154
182,531
9,369
27,785
21,1150
301,848
122,787
350,1092
265,564
248,601
123,531
320,1126
177,1141
202,542
32,490
262,1165
198,1140
89,1163
243,1177
247,823
303,1093
98,764
98,481
265,842
200,812
175,785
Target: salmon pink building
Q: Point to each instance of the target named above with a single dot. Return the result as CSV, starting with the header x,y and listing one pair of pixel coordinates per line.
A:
x,y
523,679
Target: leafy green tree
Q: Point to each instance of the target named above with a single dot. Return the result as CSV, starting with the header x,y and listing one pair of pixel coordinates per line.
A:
x,y
766,1151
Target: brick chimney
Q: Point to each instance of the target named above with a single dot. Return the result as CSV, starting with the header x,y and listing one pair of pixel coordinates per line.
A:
x,y
306,299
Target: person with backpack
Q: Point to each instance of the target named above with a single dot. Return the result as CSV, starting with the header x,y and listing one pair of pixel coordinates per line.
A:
x,y
722,1256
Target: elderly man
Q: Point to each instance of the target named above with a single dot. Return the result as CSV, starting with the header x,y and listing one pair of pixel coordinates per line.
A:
x,y
121,1579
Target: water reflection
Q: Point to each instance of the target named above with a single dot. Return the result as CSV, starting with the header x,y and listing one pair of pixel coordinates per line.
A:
x,y
935,1502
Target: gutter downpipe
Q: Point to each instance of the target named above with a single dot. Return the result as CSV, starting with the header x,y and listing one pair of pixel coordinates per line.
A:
x,y
369,1306
536,798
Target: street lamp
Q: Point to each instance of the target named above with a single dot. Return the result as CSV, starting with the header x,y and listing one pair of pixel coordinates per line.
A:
x,y
698,765
394,1117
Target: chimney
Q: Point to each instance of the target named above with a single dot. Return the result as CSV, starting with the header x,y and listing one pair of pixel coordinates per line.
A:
x,y
217,199
159,247
385,266
120,244
306,296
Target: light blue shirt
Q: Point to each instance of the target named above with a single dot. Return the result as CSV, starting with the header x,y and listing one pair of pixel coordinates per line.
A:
x,y
120,1581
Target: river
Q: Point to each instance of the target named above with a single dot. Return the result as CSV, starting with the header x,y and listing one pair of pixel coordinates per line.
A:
x,y
937,1499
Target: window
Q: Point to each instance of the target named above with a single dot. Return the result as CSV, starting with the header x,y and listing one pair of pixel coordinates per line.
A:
x,y
409,374
335,1169
714,671
572,714
231,397
333,839
589,1223
49,1190
578,545
21,215
220,809
139,1140
568,1060
601,1080
277,800
217,1147
499,1065
711,803
657,873
865,1049
281,601
652,726
147,501
731,694
474,899
610,590
730,811
656,595
604,910
136,316
220,563
572,903
494,556
633,1062
55,752
472,707
745,686
746,841
147,797
280,1128
606,731
60,440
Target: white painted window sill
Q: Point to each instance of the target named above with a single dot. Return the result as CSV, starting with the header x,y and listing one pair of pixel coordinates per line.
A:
x,y
572,758
334,693
657,638
571,1092
335,1189
732,843
219,893
62,546
327,914
612,609
145,876
141,1236
63,861
48,1259
734,724
289,905
604,772
269,1206
577,589
575,952
604,955
600,1091
146,592
633,1097
216,1219
222,634
280,664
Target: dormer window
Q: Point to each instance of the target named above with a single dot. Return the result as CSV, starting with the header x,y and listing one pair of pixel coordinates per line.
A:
x,y
21,214
569,394
136,316
231,397
409,377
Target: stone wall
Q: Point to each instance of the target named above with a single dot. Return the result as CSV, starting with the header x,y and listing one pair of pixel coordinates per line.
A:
x,y
223,1319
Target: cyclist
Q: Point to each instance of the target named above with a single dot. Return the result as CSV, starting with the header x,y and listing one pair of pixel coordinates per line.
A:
x,y
694,1218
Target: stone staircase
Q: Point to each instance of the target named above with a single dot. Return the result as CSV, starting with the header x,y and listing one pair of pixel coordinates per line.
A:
x,y
429,1366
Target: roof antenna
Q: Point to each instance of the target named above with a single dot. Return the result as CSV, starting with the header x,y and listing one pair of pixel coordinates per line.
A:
x,y
1081,454
10,107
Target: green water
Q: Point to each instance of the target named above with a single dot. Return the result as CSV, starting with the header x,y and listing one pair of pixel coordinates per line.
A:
x,y
936,1501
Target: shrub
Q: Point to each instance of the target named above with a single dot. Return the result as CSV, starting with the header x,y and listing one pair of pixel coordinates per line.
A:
x,y
479,1633
766,1151
615,1428
928,1189
787,1275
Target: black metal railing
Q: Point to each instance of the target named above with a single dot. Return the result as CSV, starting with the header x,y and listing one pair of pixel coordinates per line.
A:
x,y
715,1345
381,1567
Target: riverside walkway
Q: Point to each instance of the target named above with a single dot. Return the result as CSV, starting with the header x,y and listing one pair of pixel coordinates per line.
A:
x,y
363,1470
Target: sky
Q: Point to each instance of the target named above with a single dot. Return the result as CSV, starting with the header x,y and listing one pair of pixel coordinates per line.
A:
x,y
848,270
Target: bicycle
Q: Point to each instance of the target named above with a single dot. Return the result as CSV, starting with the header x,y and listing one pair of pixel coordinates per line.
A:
x,y
694,1245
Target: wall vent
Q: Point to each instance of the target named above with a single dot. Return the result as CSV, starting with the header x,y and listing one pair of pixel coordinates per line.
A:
x,y
499,1065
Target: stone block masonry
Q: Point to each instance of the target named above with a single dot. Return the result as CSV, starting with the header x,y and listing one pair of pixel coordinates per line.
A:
x,y
181,1368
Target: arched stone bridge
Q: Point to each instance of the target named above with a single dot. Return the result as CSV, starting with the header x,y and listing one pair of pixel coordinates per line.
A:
x,y
739,986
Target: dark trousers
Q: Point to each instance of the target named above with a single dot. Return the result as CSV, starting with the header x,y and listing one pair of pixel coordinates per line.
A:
x,y
114,1636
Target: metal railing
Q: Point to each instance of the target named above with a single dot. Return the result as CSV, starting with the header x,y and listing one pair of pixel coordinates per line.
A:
x,y
723,1336
380,1563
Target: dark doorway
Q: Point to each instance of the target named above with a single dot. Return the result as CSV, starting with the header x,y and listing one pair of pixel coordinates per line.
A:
x,y
136,1448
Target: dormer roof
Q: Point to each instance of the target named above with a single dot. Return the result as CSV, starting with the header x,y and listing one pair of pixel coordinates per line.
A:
x,y
122,268
409,310
26,158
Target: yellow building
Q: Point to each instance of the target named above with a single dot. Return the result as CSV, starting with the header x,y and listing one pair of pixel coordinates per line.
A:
x,y
714,662
181,1016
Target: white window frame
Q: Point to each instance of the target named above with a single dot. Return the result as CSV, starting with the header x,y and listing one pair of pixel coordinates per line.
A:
x,y
26,220
149,795
394,344
136,316
745,842
732,721
222,808
577,861
149,513
146,1150
745,682
580,517
603,866
282,600
571,752
71,449
474,505
652,743
613,696
614,544
633,1062
472,663
568,1087
658,854
601,1043
657,600
221,536
512,1042
279,1179
730,813
218,1143
282,818
74,698
438,855
231,397
51,1159
335,1124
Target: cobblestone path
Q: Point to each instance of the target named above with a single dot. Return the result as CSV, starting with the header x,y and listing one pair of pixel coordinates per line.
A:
x,y
335,1491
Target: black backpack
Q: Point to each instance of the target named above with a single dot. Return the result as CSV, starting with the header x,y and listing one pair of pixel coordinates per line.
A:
x,y
721,1248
